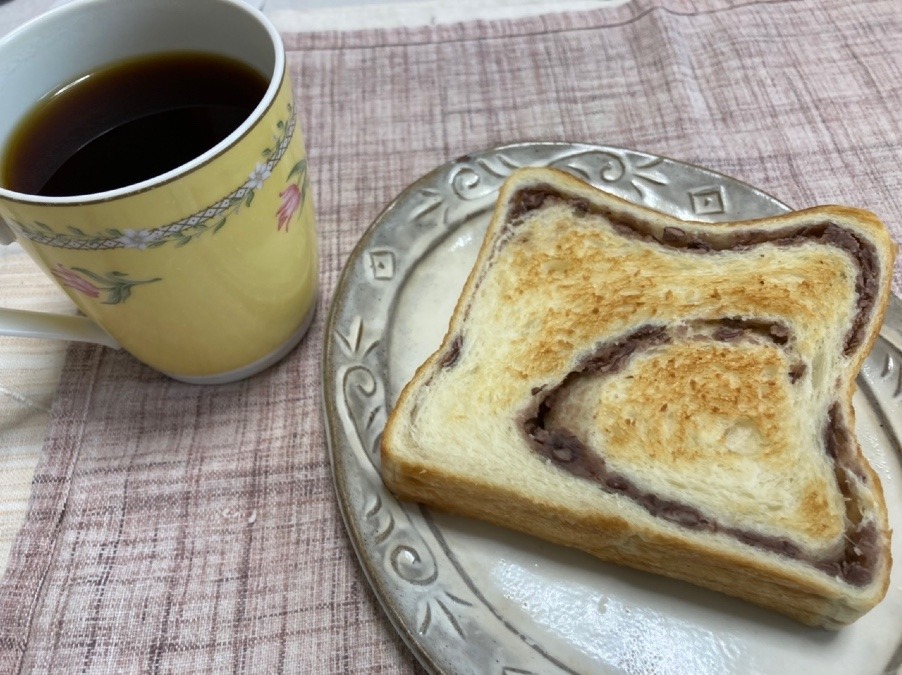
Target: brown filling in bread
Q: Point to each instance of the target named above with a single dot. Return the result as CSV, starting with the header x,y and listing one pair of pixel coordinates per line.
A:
x,y
829,234
856,563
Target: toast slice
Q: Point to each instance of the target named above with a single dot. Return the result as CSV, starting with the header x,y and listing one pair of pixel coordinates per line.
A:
x,y
672,396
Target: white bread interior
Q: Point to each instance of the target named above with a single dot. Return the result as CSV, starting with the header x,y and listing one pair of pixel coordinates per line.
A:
x,y
717,425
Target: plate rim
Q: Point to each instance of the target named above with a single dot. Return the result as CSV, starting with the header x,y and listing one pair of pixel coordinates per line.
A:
x,y
387,603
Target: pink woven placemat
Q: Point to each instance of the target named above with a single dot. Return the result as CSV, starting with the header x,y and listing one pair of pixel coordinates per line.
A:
x,y
184,529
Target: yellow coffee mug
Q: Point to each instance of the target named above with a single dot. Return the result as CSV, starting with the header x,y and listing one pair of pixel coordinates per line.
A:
x,y
207,273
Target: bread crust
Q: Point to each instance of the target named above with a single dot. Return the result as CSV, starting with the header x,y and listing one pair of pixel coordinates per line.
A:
x,y
797,593
429,472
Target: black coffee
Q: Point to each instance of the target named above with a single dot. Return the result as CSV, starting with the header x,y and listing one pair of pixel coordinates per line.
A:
x,y
129,122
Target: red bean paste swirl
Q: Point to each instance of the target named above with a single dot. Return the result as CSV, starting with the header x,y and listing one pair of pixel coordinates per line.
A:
x,y
856,563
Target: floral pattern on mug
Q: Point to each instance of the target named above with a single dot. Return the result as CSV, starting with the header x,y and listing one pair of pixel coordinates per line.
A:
x,y
116,286
139,239
211,218
70,279
291,204
258,176
293,196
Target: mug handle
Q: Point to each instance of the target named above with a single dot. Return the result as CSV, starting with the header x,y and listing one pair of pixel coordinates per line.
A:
x,y
23,323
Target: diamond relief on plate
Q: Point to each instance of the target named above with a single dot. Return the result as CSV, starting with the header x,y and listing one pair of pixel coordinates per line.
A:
x,y
708,201
382,265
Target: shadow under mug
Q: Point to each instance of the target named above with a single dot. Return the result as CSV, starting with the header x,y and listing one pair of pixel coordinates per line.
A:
x,y
207,273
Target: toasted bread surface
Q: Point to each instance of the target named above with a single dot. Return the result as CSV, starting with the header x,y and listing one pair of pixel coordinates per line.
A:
x,y
668,395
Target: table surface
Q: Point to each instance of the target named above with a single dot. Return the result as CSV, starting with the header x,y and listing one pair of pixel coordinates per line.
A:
x,y
708,97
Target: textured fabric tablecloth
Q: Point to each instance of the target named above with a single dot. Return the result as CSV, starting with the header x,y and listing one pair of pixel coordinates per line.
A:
x,y
175,528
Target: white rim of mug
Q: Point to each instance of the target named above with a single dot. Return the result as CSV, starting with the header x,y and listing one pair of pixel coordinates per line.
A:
x,y
257,114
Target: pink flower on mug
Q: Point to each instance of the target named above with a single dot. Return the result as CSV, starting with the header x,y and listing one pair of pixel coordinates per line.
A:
x,y
72,280
291,204
294,195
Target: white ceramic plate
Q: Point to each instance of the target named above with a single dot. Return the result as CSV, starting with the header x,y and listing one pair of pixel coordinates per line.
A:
x,y
472,598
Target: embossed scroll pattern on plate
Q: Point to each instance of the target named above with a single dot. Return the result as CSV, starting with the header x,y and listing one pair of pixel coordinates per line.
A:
x,y
433,601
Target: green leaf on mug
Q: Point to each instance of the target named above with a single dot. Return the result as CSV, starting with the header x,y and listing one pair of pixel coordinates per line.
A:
x,y
298,169
88,273
116,285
